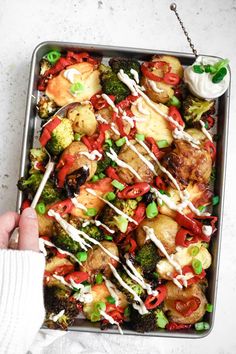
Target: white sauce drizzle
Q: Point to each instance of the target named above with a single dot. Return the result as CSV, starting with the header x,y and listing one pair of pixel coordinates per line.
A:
x,y
205,132
121,163
92,155
91,191
182,135
55,318
62,280
154,86
69,74
131,84
110,102
42,244
98,223
135,75
85,294
112,124
140,107
207,230
140,307
112,290
77,204
111,320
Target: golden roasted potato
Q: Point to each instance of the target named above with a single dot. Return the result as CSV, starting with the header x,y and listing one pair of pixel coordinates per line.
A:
x,y
196,134
157,91
83,119
183,257
165,229
130,157
106,113
176,294
45,225
98,260
152,124
59,87
56,262
81,160
174,62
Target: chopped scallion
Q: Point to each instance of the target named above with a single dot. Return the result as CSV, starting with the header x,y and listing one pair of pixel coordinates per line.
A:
x,y
201,326
99,278
215,200
162,144
111,300
197,266
82,256
193,250
91,212
209,307
140,137
120,142
110,196
41,208
151,210
118,185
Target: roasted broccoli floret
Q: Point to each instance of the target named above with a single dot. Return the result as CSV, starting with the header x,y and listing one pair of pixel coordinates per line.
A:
x,y
60,311
194,108
149,322
44,66
106,161
38,158
46,107
131,283
30,185
115,221
125,64
147,257
61,137
93,231
111,85
62,240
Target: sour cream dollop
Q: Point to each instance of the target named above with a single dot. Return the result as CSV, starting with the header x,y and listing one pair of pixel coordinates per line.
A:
x,y
201,85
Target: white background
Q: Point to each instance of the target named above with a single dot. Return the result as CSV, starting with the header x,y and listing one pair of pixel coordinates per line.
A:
x,y
133,23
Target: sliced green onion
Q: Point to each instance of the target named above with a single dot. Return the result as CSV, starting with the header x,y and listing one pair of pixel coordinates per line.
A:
x,y
120,142
201,326
161,319
99,278
199,69
77,136
95,317
95,178
77,87
197,266
108,142
140,137
174,101
202,208
82,256
151,210
162,144
40,208
111,300
53,56
215,200
110,196
91,212
209,307
101,175
121,222
118,185
193,250
218,77
100,305
108,237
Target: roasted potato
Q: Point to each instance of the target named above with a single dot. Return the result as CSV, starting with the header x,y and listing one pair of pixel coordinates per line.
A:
x,y
176,67
56,262
176,294
45,225
152,124
165,229
83,119
186,164
75,150
59,88
130,157
98,260
106,113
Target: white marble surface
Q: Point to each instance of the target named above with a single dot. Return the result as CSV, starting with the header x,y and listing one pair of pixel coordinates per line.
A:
x,y
134,23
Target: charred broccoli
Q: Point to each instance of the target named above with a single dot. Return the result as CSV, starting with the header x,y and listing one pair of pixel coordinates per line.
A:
x,y
61,137
60,311
194,108
111,85
106,160
38,158
62,240
148,322
93,231
46,107
132,284
44,66
125,64
147,257
30,185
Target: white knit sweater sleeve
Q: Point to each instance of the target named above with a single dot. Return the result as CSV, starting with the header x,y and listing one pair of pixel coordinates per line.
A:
x,y
21,299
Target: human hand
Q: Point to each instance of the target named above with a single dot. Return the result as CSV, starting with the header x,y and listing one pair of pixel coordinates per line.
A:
x,y
28,229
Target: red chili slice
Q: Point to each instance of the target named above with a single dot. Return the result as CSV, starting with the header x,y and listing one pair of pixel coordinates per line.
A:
x,y
139,216
160,183
188,223
99,102
154,148
63,270
173,326
111,172
77,277
171,79
48,129
162,65
127,102
186,308
66,162
134,191
181,238
210,122
62,207
174,113
152,302
189,269
211,148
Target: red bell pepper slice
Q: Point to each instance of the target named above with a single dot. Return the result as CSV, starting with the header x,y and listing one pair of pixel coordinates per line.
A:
x,y
174,113
111,172
173,326
99,102
211,148
63,270
139,216
188,223
48,129
96,142
147,66
116,312
133,246
134,191
160,183
154,148
77,277
186,308
127,102
152,301
25,204
210,122
181,238
195,278
66,162
62,207
171,79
